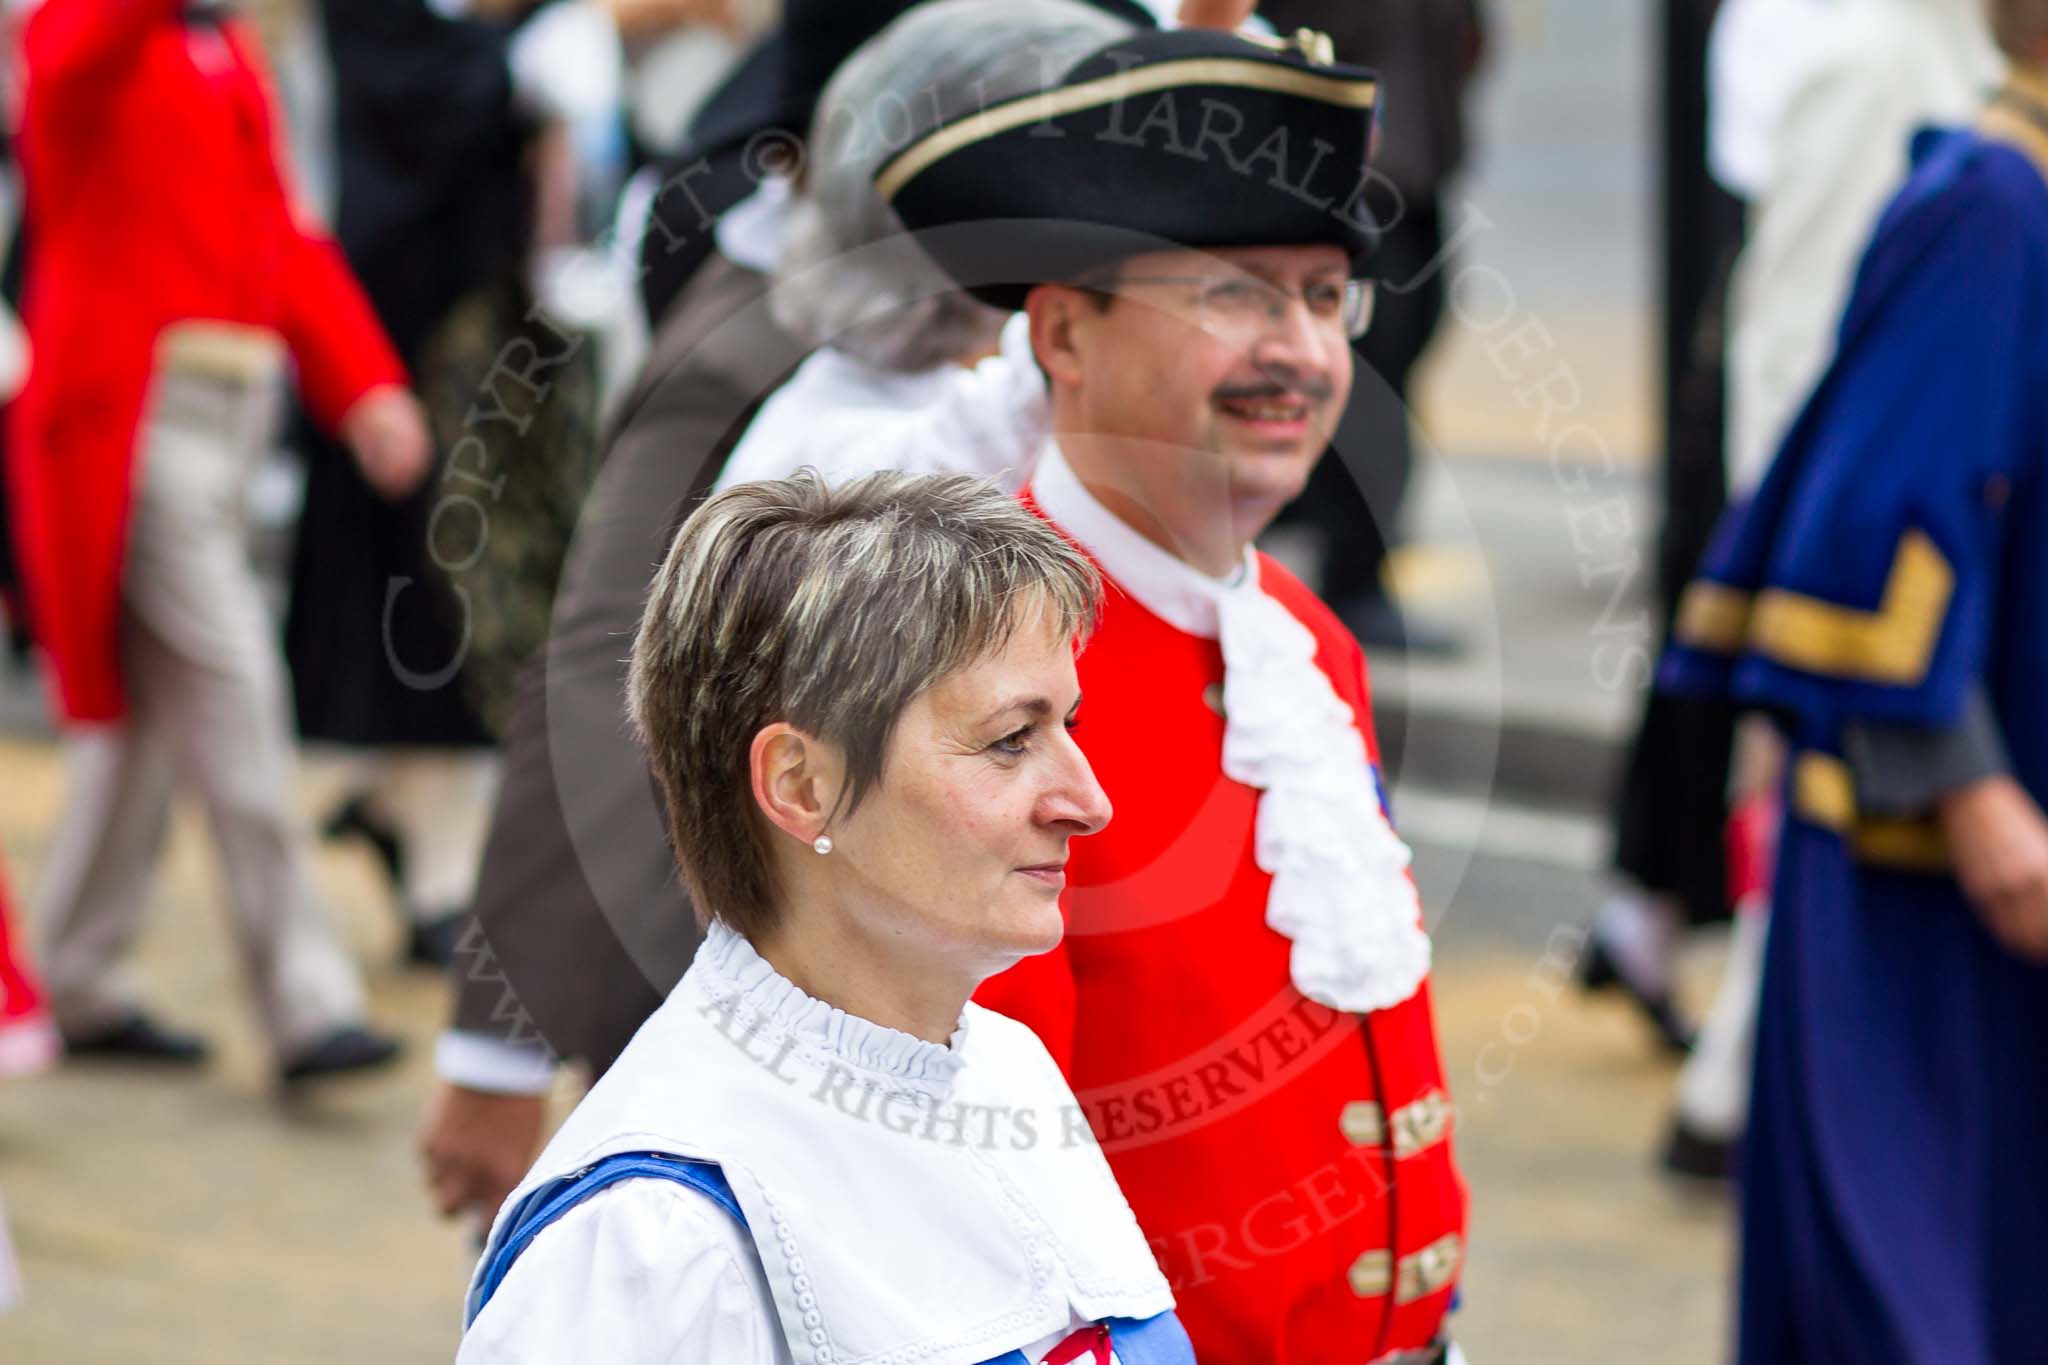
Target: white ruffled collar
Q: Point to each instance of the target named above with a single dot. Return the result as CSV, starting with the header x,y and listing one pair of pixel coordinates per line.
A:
x,y
1341,891
1166,585
732,971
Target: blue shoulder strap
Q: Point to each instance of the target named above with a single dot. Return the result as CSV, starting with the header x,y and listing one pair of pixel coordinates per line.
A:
x,y
548,1203
1159,1340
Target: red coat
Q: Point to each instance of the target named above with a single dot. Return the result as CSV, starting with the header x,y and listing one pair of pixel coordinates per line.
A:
x,y
153,197
1249,1126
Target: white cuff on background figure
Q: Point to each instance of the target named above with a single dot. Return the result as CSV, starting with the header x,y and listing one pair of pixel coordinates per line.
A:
x,y
495,1066
567,64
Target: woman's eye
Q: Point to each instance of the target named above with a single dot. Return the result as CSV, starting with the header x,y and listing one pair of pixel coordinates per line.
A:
x,y
1014,743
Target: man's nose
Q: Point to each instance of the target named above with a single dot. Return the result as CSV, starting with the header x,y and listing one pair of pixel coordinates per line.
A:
x,y
1295,342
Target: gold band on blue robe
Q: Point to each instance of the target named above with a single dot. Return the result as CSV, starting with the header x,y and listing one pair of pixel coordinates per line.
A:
x,y
1893,644
1824,794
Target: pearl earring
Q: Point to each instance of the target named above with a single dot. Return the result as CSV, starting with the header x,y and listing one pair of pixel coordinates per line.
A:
x,y
822,844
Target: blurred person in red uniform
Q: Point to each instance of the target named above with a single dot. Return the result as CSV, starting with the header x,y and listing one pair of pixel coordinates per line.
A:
x,y
171,280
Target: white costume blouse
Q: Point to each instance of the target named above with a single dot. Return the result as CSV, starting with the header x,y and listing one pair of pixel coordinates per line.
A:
x,y
904,1201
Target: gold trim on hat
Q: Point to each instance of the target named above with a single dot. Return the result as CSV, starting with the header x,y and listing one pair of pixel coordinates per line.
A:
x,y
1311,45
1232,72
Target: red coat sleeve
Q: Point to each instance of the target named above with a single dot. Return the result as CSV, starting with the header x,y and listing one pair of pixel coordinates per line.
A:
x,y
69,46
341,348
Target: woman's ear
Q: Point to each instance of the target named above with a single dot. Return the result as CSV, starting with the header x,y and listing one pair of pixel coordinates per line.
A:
x,y
1055,310
795,779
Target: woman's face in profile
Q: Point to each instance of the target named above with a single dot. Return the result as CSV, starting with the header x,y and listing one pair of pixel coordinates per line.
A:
x,y
963,842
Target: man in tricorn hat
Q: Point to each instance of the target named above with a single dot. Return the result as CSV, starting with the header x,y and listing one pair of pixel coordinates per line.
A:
x,y
1245,975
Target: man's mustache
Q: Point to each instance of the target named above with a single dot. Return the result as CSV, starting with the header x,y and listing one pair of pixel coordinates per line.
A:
x,y
1314,388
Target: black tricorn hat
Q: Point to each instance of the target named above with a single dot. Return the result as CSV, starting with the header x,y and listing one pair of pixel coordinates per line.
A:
x,y
1187,138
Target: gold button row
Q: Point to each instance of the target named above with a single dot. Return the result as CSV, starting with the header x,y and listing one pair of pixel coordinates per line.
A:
x,y
1416,1276
1417,1126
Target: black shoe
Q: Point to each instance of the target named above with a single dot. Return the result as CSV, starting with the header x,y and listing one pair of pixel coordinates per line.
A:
x,y
432,942
138,1038
1599,971
354,821
1697,1156
1380,625
347,1049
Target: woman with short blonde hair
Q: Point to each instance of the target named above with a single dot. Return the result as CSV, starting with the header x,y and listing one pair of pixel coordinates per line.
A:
x,y
857,704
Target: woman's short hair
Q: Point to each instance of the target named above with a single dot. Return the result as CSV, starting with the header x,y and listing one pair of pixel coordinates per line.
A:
x,y
849,275
831,610
2021,27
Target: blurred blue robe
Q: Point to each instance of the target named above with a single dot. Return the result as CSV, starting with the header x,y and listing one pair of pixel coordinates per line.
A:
x,y
1895,1181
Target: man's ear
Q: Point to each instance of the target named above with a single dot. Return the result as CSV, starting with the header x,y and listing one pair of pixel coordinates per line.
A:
x,y
1056,312
795,779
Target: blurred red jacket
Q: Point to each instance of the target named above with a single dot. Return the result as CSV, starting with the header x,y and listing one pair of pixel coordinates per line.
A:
x,y
154,196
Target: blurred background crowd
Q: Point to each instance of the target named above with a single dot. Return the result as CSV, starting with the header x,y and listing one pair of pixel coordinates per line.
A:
x,y
1619,238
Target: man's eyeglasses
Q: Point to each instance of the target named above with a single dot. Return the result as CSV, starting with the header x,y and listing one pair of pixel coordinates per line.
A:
x,y
1239,307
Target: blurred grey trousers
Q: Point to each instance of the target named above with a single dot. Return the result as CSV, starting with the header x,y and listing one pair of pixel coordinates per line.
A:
x,y
208,712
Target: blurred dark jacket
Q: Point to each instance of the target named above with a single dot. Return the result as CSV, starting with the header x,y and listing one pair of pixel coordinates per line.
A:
x,y
759,113
586,923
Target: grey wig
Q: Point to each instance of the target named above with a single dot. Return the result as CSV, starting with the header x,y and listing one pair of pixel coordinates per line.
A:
x,y
850,276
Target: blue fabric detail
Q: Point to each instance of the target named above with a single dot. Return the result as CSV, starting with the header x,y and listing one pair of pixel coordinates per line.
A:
x,y
551,1201
1159,1340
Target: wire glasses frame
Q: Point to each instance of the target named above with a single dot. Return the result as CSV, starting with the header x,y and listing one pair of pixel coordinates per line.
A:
x,y
1240,306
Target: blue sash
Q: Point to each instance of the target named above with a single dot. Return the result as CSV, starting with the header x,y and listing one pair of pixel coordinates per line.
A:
x,y
1159,1340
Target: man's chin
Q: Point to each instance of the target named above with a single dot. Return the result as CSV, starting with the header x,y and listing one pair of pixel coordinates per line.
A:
x,y
1275,474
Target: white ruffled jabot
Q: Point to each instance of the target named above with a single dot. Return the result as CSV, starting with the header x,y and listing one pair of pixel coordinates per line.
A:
x,y
1341,890
773,1004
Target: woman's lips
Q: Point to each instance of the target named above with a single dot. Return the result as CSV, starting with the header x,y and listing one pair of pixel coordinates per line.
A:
x,y
1051,874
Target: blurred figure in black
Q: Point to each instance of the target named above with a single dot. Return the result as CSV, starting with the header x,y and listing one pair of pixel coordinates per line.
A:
x,y
407,618
13,369
753,125
1671,808
1426,52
